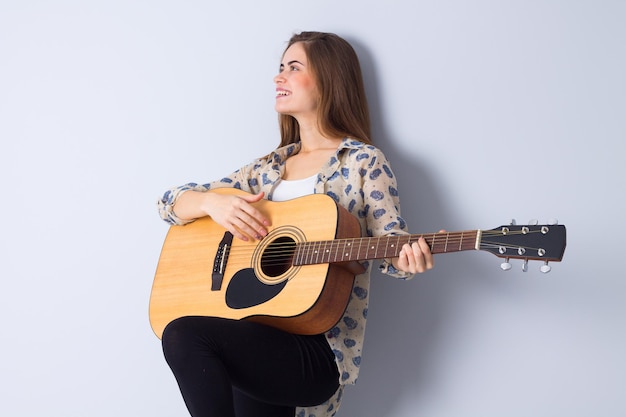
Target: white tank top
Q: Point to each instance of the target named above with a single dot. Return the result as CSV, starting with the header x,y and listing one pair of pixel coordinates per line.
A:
x,y
290,189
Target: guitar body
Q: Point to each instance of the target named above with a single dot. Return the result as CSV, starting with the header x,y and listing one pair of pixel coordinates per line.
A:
x,y
204,271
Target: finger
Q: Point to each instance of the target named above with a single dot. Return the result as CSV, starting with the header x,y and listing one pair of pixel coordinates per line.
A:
x,y
417,251
250,225
238,234
241,231
253,222
410,258
424,254
253,198
246,205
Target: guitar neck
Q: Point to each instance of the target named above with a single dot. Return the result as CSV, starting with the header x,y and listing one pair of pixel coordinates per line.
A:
x,y
367,248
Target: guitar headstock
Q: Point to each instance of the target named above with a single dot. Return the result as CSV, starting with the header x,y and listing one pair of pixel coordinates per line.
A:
x,y
527,242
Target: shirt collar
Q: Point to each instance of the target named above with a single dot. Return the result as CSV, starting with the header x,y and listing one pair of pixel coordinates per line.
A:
x,y
286,151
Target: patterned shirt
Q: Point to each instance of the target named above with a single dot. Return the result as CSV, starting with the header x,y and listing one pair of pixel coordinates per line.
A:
x,y
359,178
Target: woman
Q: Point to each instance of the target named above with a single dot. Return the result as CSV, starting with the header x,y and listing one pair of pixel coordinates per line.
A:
x,y
237,368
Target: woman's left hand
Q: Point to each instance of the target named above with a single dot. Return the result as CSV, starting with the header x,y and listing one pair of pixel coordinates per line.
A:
x,y
415,258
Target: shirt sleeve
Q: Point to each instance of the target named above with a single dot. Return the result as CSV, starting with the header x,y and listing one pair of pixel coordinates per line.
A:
x,y
165,204
382,205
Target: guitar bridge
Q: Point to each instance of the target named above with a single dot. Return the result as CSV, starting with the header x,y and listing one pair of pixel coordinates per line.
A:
x,y
219,263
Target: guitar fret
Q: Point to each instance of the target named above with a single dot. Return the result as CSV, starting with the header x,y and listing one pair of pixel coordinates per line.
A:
x,y
324,251
310,252
330,250
359,256
313,253
346,243
304,253
320,251
336,251
307,254
298,253
309,258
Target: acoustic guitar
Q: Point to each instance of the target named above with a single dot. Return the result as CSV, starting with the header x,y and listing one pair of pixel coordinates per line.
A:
x,y
299,277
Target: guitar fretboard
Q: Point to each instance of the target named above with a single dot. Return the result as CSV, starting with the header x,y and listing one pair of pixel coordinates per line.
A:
x,y
359,249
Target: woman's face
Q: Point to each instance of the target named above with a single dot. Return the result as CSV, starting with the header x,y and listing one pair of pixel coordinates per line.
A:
x,y
296,89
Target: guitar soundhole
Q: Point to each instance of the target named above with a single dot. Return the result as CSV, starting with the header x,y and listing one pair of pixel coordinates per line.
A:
x,y
277,257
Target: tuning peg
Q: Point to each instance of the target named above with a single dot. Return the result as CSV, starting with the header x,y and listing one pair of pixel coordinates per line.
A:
x,y
553,222
525,265
506,265
512,222
533,222
545,268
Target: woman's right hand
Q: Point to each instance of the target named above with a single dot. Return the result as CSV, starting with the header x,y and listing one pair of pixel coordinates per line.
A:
x,y
235,213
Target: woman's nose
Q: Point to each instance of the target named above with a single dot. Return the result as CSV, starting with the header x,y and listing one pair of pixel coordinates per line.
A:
x,y
279,78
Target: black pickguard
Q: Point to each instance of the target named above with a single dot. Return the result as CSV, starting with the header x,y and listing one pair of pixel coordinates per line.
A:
x,y
245,290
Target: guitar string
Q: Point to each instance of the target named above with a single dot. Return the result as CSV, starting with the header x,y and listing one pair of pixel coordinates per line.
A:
x,y
275,254
337,244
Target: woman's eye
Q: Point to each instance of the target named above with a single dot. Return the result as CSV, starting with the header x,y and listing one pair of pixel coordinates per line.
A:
x,y
293,68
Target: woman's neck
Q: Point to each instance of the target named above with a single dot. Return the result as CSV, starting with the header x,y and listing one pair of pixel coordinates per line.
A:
x,y
311,139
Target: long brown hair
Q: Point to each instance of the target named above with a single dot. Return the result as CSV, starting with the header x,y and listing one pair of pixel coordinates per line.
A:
x,y
342,108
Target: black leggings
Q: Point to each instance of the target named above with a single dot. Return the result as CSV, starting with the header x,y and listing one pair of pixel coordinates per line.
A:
x,y
228,368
